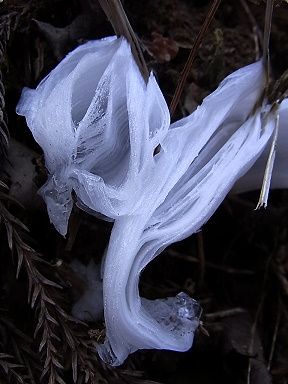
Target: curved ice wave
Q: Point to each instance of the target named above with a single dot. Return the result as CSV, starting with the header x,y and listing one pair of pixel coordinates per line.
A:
x,y
83,116
99,125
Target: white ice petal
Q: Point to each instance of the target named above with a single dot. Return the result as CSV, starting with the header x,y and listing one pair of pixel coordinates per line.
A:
x,y
200,159
252,180
54,113
102,145
48,108
129,324
124,142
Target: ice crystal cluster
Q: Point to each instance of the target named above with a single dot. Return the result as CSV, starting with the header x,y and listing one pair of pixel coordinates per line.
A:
x,y
106,135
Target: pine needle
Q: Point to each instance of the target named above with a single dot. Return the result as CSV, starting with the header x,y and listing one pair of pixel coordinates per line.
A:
x,y
122,27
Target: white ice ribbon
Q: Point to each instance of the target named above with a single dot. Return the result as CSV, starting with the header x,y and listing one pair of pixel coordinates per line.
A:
x,y
99,124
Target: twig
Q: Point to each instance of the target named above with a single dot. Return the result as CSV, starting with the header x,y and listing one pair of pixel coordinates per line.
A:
x,y
225,313
201,257
256,319
266,36
257,34
253,333
8,23
264,193
192,56
266,61
208,264
274,338
122,27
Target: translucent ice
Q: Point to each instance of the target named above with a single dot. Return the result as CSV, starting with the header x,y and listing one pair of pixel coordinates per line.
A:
x,y
99,125
178,314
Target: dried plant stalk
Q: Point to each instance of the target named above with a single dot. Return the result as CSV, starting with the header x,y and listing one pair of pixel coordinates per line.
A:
x,y
8,23
14,342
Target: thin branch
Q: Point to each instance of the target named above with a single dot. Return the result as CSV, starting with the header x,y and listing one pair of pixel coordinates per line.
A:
x,y
253,334
201,257
225,313
264,193
266,37
274,338
122,27
192,56
8,23
208,264
257,34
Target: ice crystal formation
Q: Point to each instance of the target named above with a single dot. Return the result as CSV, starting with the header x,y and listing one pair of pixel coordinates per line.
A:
x,y
99,125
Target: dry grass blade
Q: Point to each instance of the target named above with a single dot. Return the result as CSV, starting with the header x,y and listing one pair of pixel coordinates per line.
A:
x,y
266,36
122,27
258,37
263,198
253,336
280,89
275,334
270,162
192,56
257,317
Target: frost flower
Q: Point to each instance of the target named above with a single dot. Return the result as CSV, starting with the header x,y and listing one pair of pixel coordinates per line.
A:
x,y
78,115
99,125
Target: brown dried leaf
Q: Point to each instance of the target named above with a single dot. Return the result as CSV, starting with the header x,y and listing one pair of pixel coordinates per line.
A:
x,y
163,49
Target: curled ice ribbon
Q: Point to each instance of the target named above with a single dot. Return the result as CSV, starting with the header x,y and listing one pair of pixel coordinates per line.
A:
x,y
99,125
